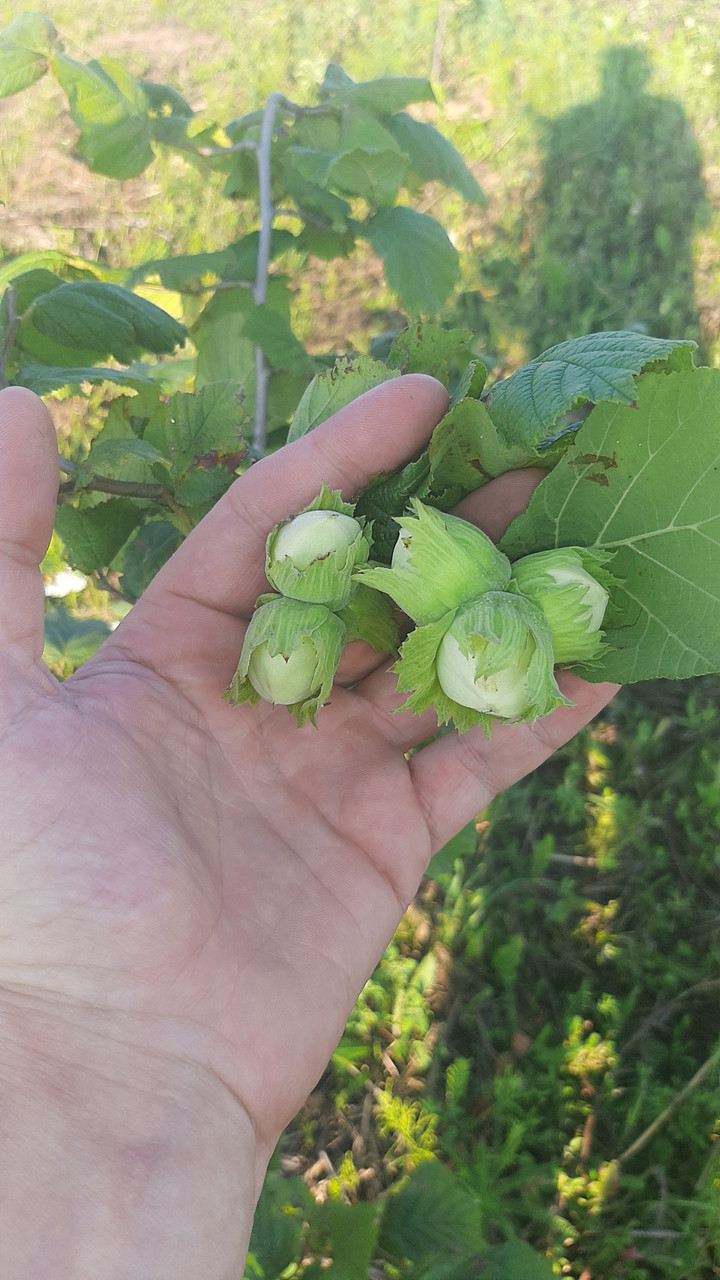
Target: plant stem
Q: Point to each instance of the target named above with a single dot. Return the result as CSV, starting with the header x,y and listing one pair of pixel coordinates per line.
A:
x,y
115,592
677,1101
120,488
439,41
262,151
267,213
104,484
660,1015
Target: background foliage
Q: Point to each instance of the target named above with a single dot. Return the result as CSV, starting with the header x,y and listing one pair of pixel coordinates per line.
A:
x,y
534,1063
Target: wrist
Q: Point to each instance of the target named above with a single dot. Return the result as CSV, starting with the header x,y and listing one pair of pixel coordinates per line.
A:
x,y
118,1161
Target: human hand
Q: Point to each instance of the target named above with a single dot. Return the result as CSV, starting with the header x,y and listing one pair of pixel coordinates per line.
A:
x,y
195,892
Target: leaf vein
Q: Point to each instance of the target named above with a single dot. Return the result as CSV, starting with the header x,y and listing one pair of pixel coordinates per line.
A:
x,y
686,648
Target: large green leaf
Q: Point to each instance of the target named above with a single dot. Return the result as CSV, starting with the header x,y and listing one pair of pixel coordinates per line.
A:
x,y
600,366
104,318
27,288
644,482
188,428
203,486
37,259
237,262
359,128
162,98
126,459
428,348
384,95
25,49
65,267
335,83
374,175
351,1230
318,133
145,554
273,334
71,640
313,198
515,1260
463,845
44,379
226,352
24,291
435,1223
465,453
334,389
433,157
28,278
94,536
277,1225
311,164
28,285
111,110
421,265
187,269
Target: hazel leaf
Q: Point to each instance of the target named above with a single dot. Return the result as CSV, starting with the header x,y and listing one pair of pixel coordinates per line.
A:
x,y
643,482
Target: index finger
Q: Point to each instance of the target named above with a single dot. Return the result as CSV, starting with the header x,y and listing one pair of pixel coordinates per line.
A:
x,y
220,567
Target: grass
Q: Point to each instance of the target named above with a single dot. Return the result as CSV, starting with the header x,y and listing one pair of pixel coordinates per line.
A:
x,y
548,999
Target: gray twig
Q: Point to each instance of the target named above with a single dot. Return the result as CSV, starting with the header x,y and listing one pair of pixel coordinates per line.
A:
x,y
267,214
677,1101
439,40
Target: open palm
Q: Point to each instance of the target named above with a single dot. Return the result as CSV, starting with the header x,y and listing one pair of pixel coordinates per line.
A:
x,y
208,879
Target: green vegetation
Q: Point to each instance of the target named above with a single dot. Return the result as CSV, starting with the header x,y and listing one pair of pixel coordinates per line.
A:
x,y
528,1084
511,79
541,1012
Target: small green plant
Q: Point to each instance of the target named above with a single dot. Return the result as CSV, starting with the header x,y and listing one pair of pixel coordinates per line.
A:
x,y
412,1130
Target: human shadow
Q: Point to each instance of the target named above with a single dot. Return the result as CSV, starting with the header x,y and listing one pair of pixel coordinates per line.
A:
x,y
609,237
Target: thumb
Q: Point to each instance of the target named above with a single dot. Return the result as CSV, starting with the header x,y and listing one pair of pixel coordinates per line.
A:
x,y
28,493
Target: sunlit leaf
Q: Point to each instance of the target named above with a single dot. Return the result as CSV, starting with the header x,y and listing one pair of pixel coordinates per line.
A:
x,y
643,482
25,48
